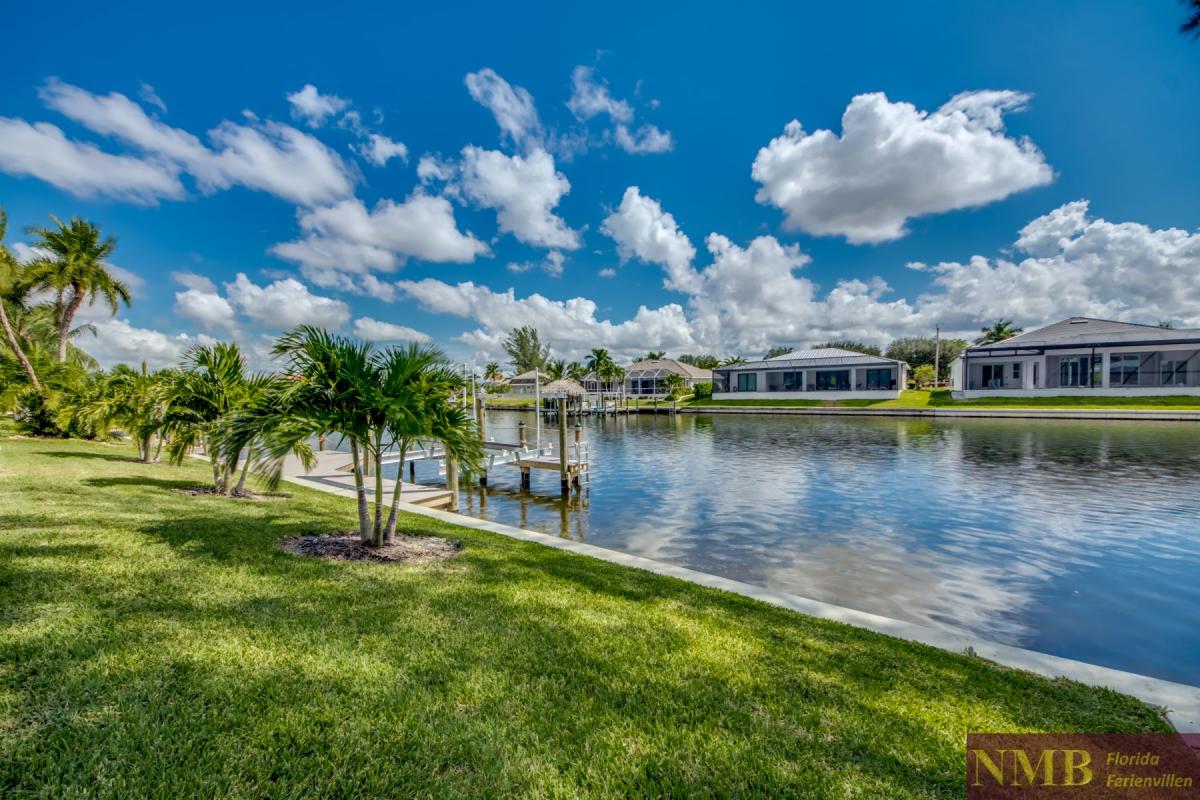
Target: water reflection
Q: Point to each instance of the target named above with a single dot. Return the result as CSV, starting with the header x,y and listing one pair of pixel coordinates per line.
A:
x,y
1075,538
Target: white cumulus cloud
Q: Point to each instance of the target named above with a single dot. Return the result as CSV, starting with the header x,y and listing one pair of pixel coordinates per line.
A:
x,y
379,149
523,190
894,162
42,151
512,106
285,304
312,107
346,237
375,331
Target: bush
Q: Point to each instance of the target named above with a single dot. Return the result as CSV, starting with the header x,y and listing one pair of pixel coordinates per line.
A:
x,y
35,417
923,376
702,391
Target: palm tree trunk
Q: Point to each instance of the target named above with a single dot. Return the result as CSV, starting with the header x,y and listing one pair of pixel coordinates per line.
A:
x,y
64,324
378,456
158,450
216,473
360,491
389,532
241,486
11,335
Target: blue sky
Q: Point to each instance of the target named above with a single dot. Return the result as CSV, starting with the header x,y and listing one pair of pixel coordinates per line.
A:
x,y
974,122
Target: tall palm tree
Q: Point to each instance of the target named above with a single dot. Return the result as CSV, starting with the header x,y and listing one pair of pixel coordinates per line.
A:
x,y
492,372
1003,329
597,359
654,355
9,274
74,271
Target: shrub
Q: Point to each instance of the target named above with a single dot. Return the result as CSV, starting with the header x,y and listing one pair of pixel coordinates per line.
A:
x,y
702,391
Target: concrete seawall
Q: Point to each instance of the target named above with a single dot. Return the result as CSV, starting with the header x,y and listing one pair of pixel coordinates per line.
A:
x,y
1156,415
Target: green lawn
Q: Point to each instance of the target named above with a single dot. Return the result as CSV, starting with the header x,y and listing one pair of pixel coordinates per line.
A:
x,y
157,644
911,398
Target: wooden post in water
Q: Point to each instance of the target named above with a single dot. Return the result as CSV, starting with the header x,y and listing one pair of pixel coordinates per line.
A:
x,y
563,475
412,471
481,424
452,481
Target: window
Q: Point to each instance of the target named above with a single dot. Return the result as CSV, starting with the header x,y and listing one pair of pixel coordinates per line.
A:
x,y
879,379
993,376
747,382
793,381
1174,373
1073,371
833,381
1123,369
1017,371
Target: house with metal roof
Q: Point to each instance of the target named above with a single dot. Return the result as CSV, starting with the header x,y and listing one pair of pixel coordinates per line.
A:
x,y
1083,356
826,373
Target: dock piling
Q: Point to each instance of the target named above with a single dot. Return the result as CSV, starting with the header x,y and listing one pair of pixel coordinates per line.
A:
x,y
452,481
564,476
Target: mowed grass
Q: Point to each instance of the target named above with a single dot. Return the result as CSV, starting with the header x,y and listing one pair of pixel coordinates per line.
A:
x,y
157,644
916,398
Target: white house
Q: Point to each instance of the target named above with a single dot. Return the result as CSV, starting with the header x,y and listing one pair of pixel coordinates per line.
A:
x,y
823,374
645,378
1082,356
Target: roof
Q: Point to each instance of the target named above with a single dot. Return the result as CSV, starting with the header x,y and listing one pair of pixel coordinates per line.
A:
x,y
563,386
661,365
525,377
1083,331
819,357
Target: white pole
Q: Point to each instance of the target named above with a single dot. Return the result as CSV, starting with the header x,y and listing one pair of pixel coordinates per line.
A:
x,y
937,354
537,408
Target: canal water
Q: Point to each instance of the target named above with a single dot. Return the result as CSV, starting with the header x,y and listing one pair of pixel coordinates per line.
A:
x,y
1080,539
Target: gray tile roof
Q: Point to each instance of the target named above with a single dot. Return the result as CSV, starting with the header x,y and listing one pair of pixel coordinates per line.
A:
x,y
1087,331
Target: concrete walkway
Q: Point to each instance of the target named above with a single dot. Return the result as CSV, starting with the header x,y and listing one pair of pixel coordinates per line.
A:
x,y
332,475
1160,415
1181,702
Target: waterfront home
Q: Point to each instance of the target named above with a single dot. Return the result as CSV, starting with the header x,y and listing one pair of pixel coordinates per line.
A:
x,y
827,373
1082,356
525,383
645,378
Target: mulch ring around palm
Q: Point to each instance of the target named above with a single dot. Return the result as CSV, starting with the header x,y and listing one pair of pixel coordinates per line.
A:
x,y
348,547
208,491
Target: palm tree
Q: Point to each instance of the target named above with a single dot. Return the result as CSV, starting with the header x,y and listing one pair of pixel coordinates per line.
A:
x,y
733,360
674,384
576,371
74,271
492,372
9,274
134,400
332,381
555,368
654,355
416,384
1003,329
203,400
376,400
